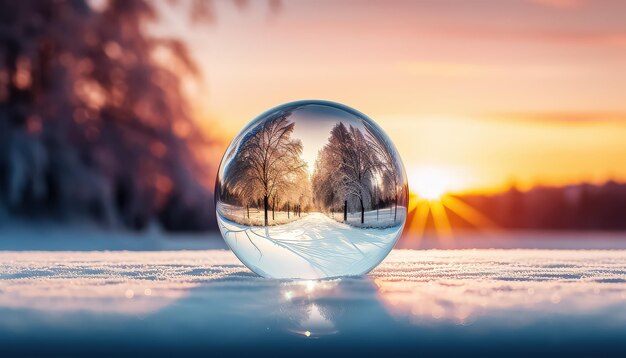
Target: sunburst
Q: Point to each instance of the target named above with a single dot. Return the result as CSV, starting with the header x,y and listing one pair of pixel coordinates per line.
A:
x,y
430,198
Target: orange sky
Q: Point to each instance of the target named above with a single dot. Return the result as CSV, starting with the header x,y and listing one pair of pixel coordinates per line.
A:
x,y
481,92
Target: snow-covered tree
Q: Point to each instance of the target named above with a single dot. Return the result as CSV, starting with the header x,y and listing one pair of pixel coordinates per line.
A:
x,y
323,183
386,164
268,163
345,169
92,120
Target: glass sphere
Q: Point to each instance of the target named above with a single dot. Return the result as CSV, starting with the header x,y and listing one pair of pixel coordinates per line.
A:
x,y
310,190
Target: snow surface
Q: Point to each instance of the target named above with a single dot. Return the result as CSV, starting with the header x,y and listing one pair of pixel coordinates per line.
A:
x,y
314,246
24,236
239,214
447,302
382,218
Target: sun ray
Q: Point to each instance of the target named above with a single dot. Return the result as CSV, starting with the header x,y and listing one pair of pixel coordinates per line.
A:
x,y
418,224
411,213
468,213
413,202
431,198
440,219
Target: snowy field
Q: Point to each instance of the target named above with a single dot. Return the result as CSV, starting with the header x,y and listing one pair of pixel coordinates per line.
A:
x,y
256,216
57,237
314,246
382,218
455,302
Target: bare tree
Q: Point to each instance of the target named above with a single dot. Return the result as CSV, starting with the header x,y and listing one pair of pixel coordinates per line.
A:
x,y
326,193
385,163
301,195
268,162
347,165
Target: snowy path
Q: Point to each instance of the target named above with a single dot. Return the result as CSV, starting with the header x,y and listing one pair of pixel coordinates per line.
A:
x,y
448,302
307,248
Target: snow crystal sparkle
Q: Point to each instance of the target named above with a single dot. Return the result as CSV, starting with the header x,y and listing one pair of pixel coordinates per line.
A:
x,y
311,189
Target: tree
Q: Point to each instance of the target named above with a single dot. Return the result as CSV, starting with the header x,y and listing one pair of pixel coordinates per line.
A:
x,y
385,162
92,122
322,182
346,164
268,162
301,195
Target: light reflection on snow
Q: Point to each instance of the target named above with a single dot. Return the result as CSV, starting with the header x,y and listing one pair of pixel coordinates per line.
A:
x,y
461,287
208,296
101,282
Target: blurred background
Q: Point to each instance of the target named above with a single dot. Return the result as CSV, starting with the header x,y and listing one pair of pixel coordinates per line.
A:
x,y
510,116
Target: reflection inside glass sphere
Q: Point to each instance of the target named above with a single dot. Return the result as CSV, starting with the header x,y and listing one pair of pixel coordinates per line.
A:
x,y
311,189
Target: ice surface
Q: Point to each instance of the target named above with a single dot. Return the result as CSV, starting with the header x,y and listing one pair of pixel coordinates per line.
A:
x,y
447,302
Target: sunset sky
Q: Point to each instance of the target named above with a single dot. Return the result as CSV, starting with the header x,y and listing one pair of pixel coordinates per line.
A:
x,y
481,93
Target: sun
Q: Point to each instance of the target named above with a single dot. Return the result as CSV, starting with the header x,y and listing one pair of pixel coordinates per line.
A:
x,y
434,189
430,183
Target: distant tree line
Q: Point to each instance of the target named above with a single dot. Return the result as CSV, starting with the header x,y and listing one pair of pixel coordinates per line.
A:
x,y
573,207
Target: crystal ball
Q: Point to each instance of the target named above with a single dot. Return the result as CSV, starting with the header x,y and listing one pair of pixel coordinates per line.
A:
x,y
311,190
